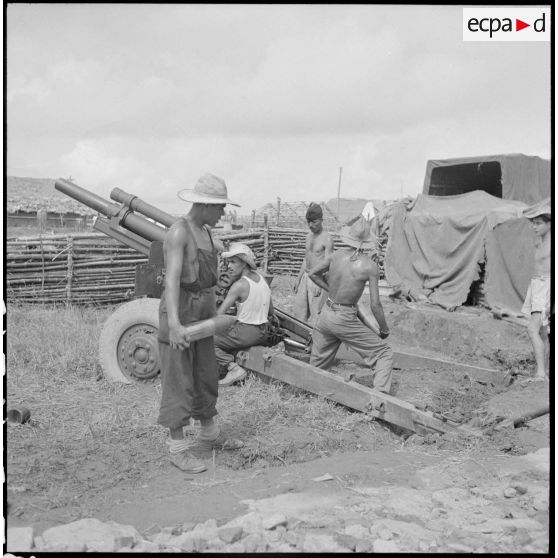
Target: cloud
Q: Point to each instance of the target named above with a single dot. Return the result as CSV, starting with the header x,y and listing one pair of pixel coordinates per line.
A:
x,y
272,98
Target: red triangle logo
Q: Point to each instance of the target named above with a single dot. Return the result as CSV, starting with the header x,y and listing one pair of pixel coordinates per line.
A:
x,y
519,25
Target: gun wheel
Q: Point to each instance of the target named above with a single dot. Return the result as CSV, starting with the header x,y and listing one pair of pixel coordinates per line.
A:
x,y
128,349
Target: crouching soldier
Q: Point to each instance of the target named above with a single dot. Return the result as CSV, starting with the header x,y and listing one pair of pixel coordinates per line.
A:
x,y
252,296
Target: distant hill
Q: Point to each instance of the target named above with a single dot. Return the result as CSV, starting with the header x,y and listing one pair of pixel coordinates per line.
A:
x,y
28,195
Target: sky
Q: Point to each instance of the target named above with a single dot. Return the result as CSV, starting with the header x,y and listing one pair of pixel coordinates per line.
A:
x,y
273,99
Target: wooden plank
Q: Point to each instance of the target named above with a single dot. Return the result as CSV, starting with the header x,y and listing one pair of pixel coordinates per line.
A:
x,y
278,366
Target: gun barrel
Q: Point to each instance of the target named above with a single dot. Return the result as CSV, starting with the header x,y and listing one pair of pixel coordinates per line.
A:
x,y
86,197
126,219
140,225
144,208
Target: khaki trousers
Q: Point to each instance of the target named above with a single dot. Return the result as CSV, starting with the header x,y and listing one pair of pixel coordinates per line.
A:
x,y
340,324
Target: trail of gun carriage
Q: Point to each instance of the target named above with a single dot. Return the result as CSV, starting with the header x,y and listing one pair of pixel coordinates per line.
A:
x,y
453,457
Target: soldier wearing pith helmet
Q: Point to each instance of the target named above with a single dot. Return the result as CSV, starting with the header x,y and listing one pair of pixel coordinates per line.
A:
x,y
189,371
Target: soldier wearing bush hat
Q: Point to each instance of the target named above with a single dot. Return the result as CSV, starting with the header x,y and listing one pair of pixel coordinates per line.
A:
x,y
349,270
537,304
189,372
252,296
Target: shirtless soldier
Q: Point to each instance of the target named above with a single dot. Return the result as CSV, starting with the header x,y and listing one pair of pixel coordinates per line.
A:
x,y
189,372
319,245
349,270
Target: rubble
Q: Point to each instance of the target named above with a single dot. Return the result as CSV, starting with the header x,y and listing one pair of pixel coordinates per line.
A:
x,y
385,519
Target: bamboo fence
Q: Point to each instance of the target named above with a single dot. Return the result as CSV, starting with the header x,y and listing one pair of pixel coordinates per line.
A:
x,y
86,268
91,268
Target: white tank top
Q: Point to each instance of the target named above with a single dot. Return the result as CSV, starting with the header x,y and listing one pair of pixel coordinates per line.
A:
x,y
256,306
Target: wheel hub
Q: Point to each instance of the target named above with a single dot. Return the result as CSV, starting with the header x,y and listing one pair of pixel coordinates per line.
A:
x,y
137,351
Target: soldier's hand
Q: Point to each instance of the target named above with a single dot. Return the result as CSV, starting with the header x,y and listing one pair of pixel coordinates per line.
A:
x,y
384,334
178,338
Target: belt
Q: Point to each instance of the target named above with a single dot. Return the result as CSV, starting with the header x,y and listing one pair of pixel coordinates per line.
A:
x,y
330,303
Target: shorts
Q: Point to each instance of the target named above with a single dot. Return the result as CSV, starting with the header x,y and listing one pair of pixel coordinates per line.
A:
x,y
538,298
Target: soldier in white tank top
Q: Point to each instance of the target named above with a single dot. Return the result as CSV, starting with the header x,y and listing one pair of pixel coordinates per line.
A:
x,y
254,310
252,296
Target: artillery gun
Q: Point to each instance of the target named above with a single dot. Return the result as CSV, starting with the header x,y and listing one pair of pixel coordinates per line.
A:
x,y
128,341
128,346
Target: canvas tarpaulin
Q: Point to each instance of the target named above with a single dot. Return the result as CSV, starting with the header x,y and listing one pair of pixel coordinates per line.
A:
x,y
509,265
523,177
437,243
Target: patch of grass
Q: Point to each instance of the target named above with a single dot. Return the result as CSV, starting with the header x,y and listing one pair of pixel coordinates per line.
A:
x,y
281,424
88,435
517,363
85,433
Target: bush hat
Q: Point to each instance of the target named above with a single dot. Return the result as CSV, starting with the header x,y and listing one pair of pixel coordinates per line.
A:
x,y
537,210
359,234
243,252
208,189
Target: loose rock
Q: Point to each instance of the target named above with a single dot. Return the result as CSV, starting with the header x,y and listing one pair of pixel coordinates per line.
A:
x,y
357,530
364,546
91,534
519,488
254,543
230,535
385,546
510,492
19,539
321,543
274,521
347,540
250,522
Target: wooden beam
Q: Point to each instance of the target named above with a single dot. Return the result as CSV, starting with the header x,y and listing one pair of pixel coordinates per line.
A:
x,y
406,359
279,366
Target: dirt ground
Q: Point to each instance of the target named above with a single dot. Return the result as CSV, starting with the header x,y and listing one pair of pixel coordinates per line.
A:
x,y
358,453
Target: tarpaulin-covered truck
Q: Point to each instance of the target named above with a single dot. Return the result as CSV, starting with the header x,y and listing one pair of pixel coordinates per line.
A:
x,y
468,223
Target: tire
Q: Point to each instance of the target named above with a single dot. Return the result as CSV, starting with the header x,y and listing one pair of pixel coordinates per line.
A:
x,y
128,347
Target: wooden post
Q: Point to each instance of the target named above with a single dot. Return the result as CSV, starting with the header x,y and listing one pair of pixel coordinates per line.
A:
x,y
253,226
339,191
266,244
278,210
69,270
42,219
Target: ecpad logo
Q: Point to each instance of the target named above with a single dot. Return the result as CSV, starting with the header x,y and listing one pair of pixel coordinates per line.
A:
x,y
506,24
